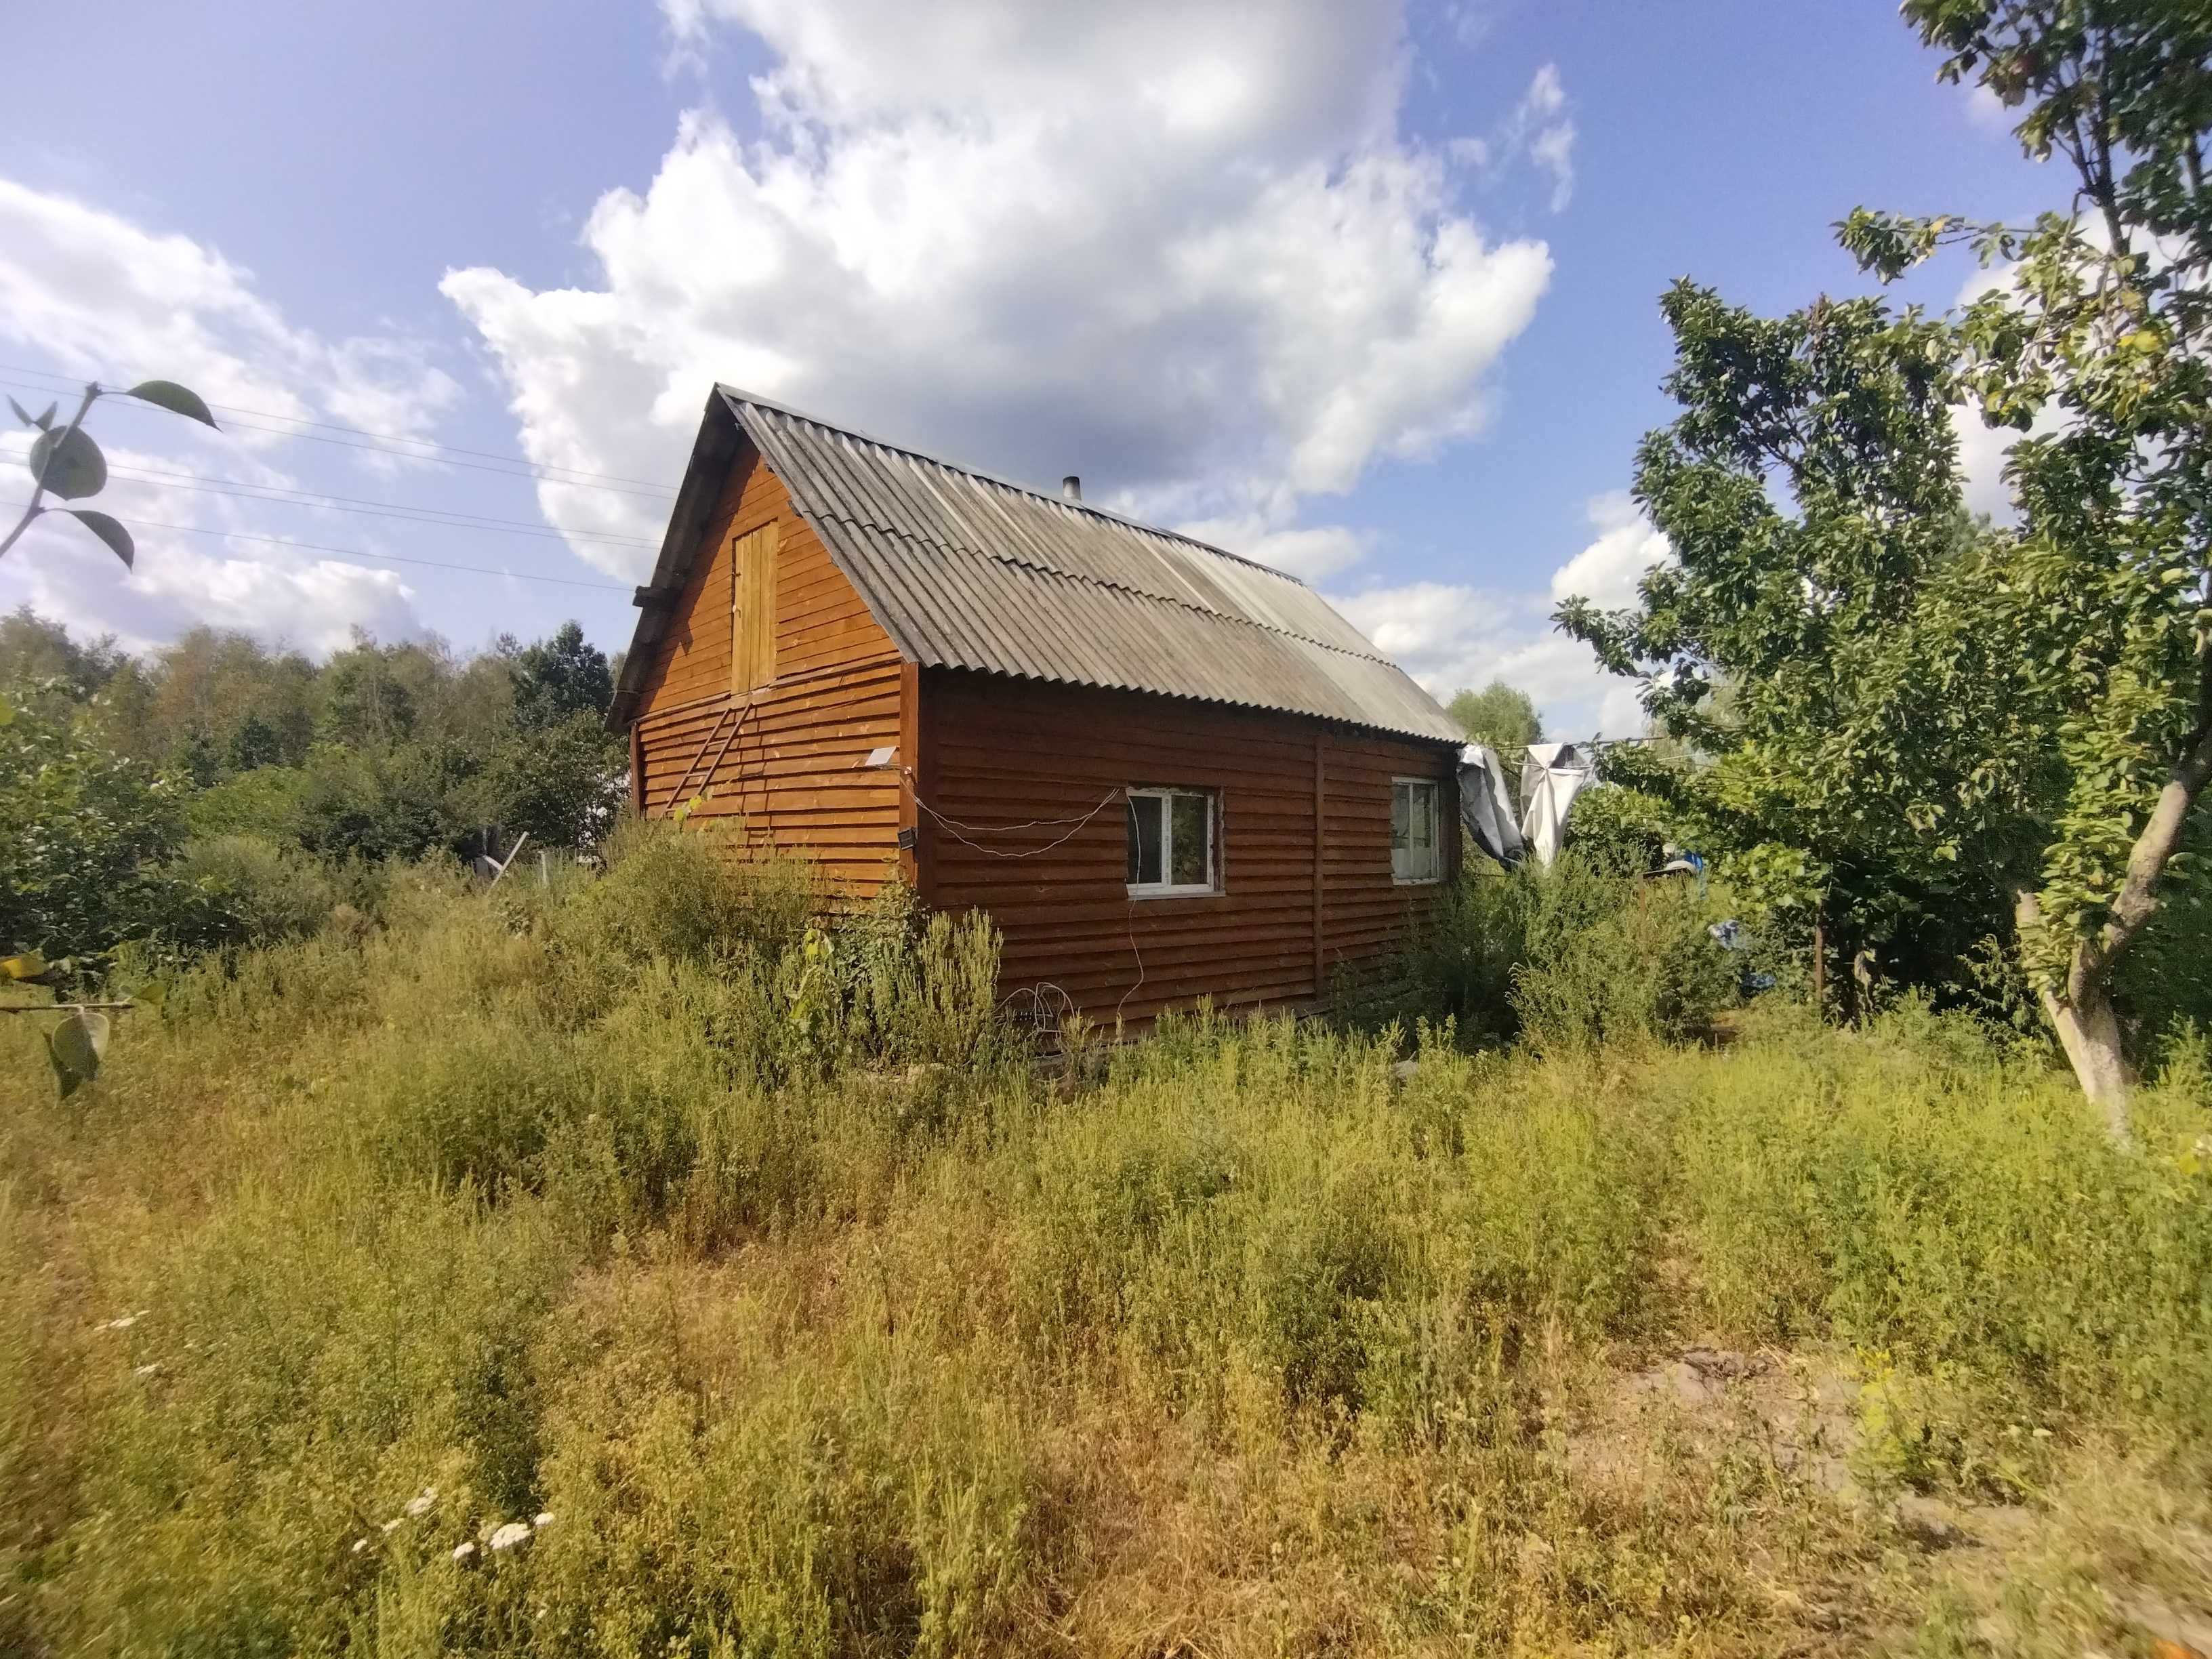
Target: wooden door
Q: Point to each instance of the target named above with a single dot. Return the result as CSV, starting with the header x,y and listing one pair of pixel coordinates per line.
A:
x,y
752,610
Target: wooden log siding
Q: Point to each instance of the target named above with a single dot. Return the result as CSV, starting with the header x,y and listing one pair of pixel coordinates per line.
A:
x,y
795,770
1004,753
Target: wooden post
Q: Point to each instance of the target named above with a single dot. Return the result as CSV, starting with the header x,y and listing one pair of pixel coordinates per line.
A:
x,y
918,773
1320,851
636,769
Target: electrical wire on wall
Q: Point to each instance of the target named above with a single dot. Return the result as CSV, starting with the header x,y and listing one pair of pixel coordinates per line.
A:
x,y
955,828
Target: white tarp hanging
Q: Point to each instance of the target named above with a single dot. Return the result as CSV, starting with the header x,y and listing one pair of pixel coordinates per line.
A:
x,y
1485,807
1551,777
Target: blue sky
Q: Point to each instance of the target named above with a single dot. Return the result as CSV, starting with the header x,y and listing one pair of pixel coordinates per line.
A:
x,y
1362,289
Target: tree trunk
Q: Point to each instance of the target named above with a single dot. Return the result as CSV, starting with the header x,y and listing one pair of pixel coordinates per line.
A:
x,y
2081,1013
1821,964
2089,1031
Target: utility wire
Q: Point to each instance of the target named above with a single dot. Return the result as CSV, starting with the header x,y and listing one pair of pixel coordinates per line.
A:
x,y
283,496
350,552
509,466
73,383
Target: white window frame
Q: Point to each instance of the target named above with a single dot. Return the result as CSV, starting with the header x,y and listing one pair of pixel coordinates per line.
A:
x,y
1436,796
1164,888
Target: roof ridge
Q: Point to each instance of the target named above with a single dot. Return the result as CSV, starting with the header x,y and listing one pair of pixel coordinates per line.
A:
x,y
738,394
1078,576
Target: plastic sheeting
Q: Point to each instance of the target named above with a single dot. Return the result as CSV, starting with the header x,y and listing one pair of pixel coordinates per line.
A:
x,y
1485,807
1551,777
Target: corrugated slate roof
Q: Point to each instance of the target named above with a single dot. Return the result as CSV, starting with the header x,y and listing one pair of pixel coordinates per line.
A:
x,y
964,570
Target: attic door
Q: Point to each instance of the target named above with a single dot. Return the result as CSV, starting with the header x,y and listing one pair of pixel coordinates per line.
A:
x,y
752,610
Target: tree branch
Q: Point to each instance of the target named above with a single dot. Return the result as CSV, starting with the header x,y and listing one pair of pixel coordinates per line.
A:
x,y
32,509
2138,901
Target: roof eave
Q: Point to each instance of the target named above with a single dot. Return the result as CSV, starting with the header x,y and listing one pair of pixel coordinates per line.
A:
x,y
711,454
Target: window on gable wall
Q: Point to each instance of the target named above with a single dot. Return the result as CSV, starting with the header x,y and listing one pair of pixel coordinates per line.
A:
x,y
1417,843
1171,842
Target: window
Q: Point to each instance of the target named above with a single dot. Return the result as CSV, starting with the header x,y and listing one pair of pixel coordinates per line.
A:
x,y
1417,843
752,608
1170,842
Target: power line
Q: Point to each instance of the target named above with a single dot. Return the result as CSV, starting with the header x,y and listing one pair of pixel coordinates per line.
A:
x,y
512,466
360,432
351,552
406,513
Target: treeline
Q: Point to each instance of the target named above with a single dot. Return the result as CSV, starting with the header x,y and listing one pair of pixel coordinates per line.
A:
x,y
123,777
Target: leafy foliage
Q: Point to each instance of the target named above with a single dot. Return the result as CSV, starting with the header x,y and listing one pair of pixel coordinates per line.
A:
x,y
86,831
1934,719
558,678
1566,959
1504,716
1873,765
67,463
386,751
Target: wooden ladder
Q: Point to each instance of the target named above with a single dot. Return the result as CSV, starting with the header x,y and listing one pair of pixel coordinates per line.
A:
x,y
727,727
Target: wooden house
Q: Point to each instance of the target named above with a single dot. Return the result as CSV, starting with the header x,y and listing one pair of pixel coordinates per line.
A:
x,y
1166,771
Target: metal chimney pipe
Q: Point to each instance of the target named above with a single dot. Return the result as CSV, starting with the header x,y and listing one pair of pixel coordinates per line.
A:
x,y
1071,488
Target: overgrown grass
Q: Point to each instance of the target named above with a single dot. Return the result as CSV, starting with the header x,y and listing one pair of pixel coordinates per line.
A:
x,y
821,1322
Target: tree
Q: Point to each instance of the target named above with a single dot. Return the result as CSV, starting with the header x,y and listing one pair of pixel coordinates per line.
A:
x,y
2104,322
366,699
1929,716
85,830
1504,716
254,742
34,649
563,783
1824,590
557,677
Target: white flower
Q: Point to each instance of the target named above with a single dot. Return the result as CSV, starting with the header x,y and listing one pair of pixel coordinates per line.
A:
x,y
421,1502
465,1554
543,1518
514,1533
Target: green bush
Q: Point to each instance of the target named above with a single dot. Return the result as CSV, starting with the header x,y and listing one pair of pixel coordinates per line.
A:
x,y
670,893
1617,959
1564,957
247,889
83,833
265,802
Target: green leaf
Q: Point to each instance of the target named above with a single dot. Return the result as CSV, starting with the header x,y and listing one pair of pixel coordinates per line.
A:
x,y
69,464
178,400
29,965
76,1047
108,529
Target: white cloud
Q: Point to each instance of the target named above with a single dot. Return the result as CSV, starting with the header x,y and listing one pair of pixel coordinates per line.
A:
x,y
1538,129
1183,251
1309,553
91,292
1447,635
1606,572
314,604
97,295
1985,109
